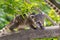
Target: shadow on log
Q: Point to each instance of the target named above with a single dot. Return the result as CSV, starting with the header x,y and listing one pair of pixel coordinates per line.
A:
x,y
53,31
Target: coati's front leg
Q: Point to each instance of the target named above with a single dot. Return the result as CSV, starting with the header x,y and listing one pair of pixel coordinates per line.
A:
x,y
40,25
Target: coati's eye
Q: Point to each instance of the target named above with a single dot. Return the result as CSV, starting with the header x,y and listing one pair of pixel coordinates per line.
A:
x,y
32,16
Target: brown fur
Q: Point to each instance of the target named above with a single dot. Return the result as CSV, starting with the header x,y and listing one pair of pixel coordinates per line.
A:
x,y
19,22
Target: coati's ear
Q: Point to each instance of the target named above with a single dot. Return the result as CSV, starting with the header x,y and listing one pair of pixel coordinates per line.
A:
x,y
32,15
24,15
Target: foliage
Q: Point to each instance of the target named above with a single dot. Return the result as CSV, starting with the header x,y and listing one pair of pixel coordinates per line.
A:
x,y
9,8
46,39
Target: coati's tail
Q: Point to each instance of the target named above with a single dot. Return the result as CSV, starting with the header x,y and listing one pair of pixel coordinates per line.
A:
x,y
4,31
53,4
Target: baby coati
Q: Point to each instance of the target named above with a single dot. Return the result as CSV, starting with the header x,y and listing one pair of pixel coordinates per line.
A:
x,y
22,21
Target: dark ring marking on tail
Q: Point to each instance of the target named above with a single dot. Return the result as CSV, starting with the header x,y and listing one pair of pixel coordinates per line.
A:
x,y
3,30
54,5
3,34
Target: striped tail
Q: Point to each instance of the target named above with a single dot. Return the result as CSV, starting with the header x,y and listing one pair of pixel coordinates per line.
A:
x,y
4,31
54,5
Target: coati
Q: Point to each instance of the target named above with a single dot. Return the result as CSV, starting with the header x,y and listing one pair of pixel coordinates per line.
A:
x,y
20,22
33,21
54,4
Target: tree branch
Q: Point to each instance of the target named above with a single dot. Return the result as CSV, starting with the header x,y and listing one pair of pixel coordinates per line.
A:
x,y
52,31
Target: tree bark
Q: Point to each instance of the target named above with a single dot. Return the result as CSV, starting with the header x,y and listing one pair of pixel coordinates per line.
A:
x,y
53,31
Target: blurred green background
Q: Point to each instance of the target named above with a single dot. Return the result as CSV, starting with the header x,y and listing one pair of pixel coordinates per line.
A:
x,y
10,8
